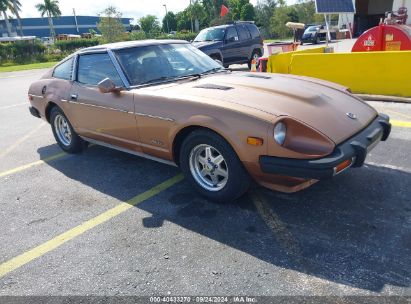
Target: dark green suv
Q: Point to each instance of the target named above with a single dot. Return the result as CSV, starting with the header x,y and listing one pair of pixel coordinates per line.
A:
x,y
235,43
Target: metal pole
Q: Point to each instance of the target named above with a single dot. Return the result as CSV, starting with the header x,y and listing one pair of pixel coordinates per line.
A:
x,y
191,16
328,36
75,20
168,28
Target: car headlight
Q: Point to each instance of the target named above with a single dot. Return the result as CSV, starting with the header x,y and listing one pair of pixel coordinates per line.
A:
x,y
280,131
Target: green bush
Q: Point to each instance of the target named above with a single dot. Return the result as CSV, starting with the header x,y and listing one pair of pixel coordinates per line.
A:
x,y
68,46
21,51
140,35
188,36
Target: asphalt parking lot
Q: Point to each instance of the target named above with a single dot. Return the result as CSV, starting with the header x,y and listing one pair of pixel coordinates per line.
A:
x,y
108,223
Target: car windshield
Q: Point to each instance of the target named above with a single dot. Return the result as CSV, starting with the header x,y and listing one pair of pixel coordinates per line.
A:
x,y
211,34
164,62
312,29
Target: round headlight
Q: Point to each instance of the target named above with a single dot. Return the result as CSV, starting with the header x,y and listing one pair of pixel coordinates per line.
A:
x,y
280,132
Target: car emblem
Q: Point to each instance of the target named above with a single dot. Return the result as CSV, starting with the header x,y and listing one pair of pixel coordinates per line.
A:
x,y
351,115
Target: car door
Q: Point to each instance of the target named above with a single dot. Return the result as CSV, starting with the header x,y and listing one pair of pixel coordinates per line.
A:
x,y
231,48
103,117
245,42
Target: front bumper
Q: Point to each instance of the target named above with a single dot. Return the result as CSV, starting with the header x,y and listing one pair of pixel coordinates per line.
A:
x,y
308,39
353,151
34,112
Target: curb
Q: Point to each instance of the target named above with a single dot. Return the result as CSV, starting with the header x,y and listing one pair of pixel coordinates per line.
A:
x,y
384,98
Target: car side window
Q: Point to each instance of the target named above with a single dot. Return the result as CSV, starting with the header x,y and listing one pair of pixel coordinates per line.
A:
x,y
255,33
243,33
64,70
93,68
231,35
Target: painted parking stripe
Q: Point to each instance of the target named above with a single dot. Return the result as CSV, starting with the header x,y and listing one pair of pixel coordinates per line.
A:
x,y
280,230
59,240
397,113
33,164
14,106
16,76
401,124
21,140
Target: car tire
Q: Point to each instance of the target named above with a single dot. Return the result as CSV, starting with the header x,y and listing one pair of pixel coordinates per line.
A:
x,y
212,166
63,132
255,55
317,40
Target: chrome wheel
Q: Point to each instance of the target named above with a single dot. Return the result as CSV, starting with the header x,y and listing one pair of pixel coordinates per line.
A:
x,y
63,130
208,167
256,57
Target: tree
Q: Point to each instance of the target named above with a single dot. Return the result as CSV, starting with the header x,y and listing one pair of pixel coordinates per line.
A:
x,y
247,12
16,11
196,12
51,9
263,13
282,15
6,5
150,25
110,25
183,20
305,11
172,22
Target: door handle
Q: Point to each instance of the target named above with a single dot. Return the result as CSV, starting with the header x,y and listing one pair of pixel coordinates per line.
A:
x,y
74,96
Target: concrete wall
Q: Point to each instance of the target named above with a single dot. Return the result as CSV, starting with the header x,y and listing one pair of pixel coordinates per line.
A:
x,y
378,73
280,63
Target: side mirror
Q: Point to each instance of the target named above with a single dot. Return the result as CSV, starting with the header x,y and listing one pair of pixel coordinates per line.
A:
x,y
230,40
108,86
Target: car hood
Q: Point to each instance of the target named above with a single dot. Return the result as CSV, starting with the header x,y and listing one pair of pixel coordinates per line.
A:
x,y
320,104
206,44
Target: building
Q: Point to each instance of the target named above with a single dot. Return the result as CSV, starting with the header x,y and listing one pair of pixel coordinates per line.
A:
x,y
39,27
369,13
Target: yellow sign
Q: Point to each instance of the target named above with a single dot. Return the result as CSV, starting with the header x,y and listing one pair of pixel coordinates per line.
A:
x,y
393,46
389,37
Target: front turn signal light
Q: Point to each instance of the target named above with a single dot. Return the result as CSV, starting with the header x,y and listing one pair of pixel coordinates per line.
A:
x,y
255,141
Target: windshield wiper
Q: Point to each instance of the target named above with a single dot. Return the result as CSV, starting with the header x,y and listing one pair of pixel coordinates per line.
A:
x,y
214,70
169,78
160,79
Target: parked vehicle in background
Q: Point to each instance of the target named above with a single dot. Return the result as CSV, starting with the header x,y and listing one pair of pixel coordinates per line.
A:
x,y
235,43
312,34
317,33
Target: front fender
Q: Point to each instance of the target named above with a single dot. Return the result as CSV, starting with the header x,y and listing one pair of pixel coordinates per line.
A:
x,y
235,129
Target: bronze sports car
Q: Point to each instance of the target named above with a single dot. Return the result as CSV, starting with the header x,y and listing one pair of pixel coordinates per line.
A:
x,y
167,101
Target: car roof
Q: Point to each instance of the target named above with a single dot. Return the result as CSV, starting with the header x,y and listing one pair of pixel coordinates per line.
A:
x,y
231,24
129,44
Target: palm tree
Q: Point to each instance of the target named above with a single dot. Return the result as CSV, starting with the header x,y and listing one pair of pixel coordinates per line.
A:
x,y
5,5
51,9
16,10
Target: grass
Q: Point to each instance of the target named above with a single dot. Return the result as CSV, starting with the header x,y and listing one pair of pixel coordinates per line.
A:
x,y
23,67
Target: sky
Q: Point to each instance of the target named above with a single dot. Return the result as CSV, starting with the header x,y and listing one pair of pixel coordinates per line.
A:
x,y
130,9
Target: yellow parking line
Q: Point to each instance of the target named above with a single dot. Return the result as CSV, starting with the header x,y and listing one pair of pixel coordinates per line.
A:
x,y
398,113
401,124
33,164
59,240
15,105
273,221
22,139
